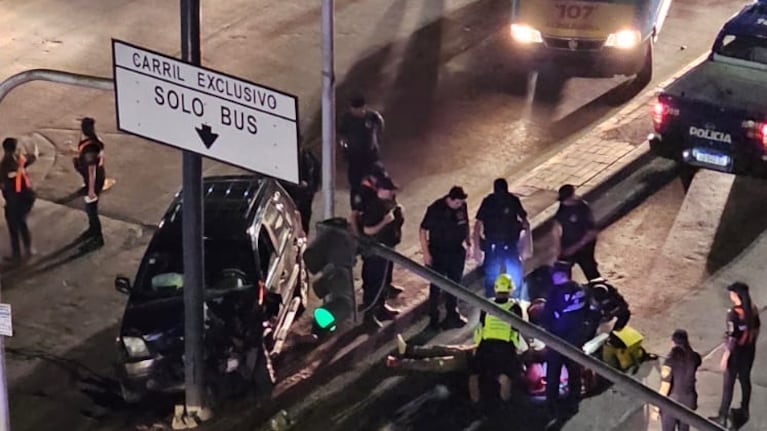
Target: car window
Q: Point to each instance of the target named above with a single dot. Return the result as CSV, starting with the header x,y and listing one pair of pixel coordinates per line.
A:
x,y
746,48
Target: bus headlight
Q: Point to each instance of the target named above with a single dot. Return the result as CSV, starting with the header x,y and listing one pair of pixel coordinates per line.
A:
x,y
525,34
624,39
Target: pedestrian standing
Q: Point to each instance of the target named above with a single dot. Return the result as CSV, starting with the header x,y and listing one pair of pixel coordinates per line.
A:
x,y
578,231
364,194
309,172
565,314
382,220
500,222
90,164
743,325
443,234
678,379
360,131
19,197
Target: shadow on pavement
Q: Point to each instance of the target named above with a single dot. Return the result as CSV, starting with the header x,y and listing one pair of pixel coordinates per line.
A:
x,y
48,262
742,221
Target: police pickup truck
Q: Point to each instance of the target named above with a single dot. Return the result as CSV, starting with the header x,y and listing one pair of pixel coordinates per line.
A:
x,y
590,38
715,115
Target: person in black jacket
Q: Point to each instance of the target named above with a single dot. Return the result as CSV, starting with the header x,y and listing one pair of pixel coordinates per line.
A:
x,y
579,232
678,379
310,176
19,197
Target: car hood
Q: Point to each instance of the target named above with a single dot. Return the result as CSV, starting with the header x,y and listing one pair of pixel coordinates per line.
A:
x,y
153,317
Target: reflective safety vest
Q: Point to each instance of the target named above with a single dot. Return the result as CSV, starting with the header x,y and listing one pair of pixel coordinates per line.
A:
x,y
496,329
21,181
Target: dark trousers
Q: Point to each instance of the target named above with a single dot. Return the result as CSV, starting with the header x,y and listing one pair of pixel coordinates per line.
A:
x,y
738,367
305,209
554,362
450,264
585,259
94,223
16,219
504,258
670,423
376,278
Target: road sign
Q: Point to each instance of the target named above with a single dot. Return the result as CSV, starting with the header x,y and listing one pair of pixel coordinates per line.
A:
x,y
210,113
6,325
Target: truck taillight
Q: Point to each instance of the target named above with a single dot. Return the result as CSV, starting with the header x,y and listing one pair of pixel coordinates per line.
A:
x,y
660,111
757,131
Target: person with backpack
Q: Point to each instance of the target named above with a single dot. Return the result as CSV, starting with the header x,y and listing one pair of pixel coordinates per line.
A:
x,y
19,197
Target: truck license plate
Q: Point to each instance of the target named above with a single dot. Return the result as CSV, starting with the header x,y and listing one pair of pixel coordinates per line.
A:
x,y
720,160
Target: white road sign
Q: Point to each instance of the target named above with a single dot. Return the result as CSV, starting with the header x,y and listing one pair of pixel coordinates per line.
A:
x,y
207,112
6,323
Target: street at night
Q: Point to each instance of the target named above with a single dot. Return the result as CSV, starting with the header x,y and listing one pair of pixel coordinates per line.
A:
x,y
459,110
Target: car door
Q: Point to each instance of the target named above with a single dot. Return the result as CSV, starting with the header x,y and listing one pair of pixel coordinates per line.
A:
x,y
278,222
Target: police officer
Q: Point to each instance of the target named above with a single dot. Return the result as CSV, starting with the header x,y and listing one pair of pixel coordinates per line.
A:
x,y
443,233
19,197
360,131
366,192
90,164
382,219
564,316
678,379
497,343
578,230
500,221
605,304
309,169
742,331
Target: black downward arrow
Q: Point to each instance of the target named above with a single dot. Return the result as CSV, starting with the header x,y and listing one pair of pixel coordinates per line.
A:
x,y
207,135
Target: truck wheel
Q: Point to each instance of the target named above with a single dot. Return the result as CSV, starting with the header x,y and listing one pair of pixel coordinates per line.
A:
x,y
644,76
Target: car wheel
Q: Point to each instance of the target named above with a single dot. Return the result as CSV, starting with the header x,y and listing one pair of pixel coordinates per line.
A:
x,y
644,76
130,396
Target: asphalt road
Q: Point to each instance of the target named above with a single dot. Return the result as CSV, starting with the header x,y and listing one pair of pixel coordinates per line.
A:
x,y
440,63
383,399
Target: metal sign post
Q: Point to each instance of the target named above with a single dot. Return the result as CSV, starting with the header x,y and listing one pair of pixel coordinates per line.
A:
x,y
6,329
328,111
192,232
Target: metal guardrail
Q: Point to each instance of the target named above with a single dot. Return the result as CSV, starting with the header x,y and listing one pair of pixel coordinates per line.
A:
x,y
624,382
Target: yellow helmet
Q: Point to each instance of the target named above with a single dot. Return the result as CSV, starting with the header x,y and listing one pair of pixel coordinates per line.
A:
x,y
504,284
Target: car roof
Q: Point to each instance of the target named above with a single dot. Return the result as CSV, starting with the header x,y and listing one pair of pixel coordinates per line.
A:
x,y
229,203
751,20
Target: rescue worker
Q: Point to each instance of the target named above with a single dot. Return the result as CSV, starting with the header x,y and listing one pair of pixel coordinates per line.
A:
x,y
90,164
578,231
497,230
382,219
497,343
605,304
564,316
360,131
443,233
309,171
19,197
678,379
743,325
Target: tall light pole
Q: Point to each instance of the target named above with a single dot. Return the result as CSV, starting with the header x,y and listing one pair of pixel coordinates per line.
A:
x,y
328,111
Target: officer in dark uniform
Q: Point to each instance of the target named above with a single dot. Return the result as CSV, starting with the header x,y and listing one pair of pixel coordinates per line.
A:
x,y
382,219
579,233
90,164
366,192
605,304
678,379
742,331
360,131
309,171
444,231
500,221
564,316
19,197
